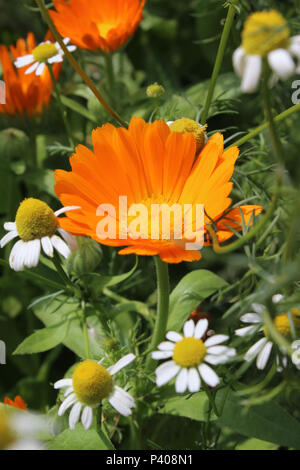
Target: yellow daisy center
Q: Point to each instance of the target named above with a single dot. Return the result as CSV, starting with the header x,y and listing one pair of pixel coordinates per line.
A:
x,y
282,322
265,31
184,125
35,219
6,435
189,352
44,51
91,382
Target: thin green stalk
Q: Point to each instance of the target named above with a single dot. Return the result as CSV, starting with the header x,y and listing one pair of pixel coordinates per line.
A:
x,y
262,127
275,140
277,337
75,64
162,276
61,272
219,60
61,107
85,332
110,78
35,276
241,241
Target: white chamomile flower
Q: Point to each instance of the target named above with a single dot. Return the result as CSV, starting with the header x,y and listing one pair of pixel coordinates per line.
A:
x,y
90,384
296,354
46,52
261,349
189,357
36,224
19,430
187,125
266,35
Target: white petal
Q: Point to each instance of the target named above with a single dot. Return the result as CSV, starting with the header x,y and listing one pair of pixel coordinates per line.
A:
x,y
189,328
277,298
74,415
215,339
123,362
255,349
181,381
55,59
62,210
47,246
32,68
72,48
247,330
60,246
87,417
70,239
166,374
295,47
217,350
258,308
194,381
67,403
200,328
282,63
158,355
63,383
68,391
17,256
119,405
251,73
215,360
164,365
66,40
10,226
238,60
7,238
123,396
251,318
40,69
264,355
173,336
166,346
24,60
33,253
208,375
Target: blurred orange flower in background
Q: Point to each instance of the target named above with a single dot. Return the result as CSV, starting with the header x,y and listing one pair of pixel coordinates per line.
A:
x,y
150,164
25,93
97,24
18,402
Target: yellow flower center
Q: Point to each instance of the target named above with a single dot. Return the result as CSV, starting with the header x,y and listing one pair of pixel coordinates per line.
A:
x,y
189,352
265,31
104,28
91,382
6,435
184,125
44,51
35,219
282,322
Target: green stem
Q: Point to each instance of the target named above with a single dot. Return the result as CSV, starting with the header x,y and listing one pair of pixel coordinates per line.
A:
x,y
61,272
162,276
262,127
61,107
75,65
277,337
110,78
85,332
218,61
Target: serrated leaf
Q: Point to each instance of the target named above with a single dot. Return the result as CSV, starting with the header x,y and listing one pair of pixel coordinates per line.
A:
x,y
268,422
189,292
44,339
80,439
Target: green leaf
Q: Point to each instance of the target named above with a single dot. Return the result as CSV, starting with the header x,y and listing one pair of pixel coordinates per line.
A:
x,y
51,314
256,444
193,407
78,108
189,292
44,339
268,422
80,439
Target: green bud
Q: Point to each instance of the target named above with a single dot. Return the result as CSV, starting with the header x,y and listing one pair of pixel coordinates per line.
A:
x,y
86,258
13,143
155,90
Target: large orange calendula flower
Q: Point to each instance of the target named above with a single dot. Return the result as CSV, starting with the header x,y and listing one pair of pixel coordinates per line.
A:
x,y
18,402
97,24
150,165
25,93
